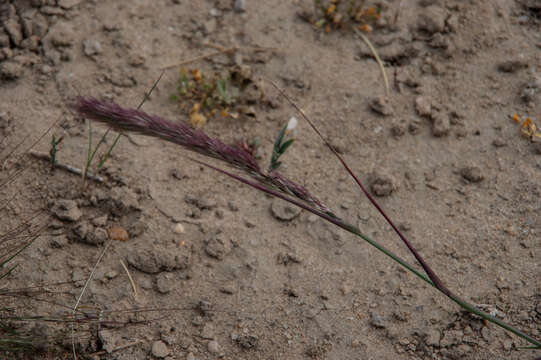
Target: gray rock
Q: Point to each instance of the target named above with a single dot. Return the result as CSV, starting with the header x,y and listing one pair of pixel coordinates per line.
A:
x,y
283,210
159,349
14,30
190,356
67,210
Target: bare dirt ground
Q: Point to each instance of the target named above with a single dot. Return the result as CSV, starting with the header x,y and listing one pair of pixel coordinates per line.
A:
x,y
234,281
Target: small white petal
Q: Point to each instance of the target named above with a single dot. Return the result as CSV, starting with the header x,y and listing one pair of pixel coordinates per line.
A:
x,y
292,123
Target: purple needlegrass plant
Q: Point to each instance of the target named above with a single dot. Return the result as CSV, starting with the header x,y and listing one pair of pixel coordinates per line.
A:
x,y
271,182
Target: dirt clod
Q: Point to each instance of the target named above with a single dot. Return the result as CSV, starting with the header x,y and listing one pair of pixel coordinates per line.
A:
x,y
284,211
67,210
382,105
213,347
472,174
512,66
118,233
383,184
152,261
441,125
423,106
432,19
11,70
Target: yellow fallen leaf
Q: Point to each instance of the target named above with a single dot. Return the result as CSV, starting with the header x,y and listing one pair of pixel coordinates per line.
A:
x,y
365,28
198,120
197,75
331,9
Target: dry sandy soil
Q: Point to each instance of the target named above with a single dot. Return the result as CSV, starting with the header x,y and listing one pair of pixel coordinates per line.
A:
x,y
234,280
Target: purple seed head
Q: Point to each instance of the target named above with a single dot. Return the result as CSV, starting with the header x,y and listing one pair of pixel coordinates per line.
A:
x,y
123,120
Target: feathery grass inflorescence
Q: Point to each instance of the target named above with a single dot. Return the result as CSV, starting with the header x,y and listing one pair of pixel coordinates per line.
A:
x,y
123,119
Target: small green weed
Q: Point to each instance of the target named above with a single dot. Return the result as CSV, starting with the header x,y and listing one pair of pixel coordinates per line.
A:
x,y
226,94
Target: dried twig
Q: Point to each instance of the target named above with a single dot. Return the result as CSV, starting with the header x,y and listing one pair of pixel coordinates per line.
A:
x,y
66,167
130,278
81,295
380,63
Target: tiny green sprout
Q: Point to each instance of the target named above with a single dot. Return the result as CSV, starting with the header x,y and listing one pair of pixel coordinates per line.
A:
x,y
54,149
184,85
222,91
280,147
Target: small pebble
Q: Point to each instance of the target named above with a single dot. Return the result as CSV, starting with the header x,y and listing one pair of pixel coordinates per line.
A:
x,y
213,347
159,349
178,228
